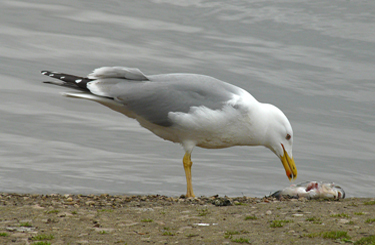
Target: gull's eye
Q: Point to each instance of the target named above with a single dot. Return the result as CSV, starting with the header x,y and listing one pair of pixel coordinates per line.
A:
x,y
288,137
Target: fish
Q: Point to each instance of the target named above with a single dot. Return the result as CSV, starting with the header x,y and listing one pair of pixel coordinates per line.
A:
x,y
312,190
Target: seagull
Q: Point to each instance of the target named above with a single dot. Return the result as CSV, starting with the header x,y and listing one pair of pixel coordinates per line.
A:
x,y
190,109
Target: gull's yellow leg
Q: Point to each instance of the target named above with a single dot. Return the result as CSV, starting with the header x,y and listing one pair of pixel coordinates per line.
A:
x,y
187,166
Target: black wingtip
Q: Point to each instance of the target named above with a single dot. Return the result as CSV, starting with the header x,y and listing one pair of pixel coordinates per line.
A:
x,y
48,73
67,80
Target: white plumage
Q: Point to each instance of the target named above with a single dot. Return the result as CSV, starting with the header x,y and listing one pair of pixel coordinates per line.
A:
x,y
190,109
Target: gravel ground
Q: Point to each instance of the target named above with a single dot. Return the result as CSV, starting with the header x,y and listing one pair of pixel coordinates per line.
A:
x,y
105,219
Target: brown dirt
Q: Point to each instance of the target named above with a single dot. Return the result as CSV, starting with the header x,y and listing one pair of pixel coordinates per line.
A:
x,y
106,219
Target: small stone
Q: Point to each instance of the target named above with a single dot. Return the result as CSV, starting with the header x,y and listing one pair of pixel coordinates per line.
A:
x,y
202,224
131,224
182,229
20,235
146,239
161,223
82,242
20,229
106,230
36,206
69,199
222,202
297,215
344,221
49,221
89,203
65,214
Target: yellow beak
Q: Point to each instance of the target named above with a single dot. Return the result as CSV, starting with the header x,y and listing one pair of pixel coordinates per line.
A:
x,y
289,165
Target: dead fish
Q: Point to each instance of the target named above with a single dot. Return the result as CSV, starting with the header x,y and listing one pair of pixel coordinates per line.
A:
x,y
312,190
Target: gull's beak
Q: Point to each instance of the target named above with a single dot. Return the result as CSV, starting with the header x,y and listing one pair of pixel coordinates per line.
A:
x,y
289,165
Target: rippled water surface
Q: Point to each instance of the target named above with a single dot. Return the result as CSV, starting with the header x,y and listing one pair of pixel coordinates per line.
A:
x,y
313,59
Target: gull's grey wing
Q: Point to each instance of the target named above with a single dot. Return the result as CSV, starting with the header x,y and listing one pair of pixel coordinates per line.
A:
x,y
118,72
129,91
154,99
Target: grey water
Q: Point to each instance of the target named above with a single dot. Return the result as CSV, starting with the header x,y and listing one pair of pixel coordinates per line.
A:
x,y
315,60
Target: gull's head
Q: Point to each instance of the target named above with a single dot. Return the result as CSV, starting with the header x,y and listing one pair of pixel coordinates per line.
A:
x,y
279,139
